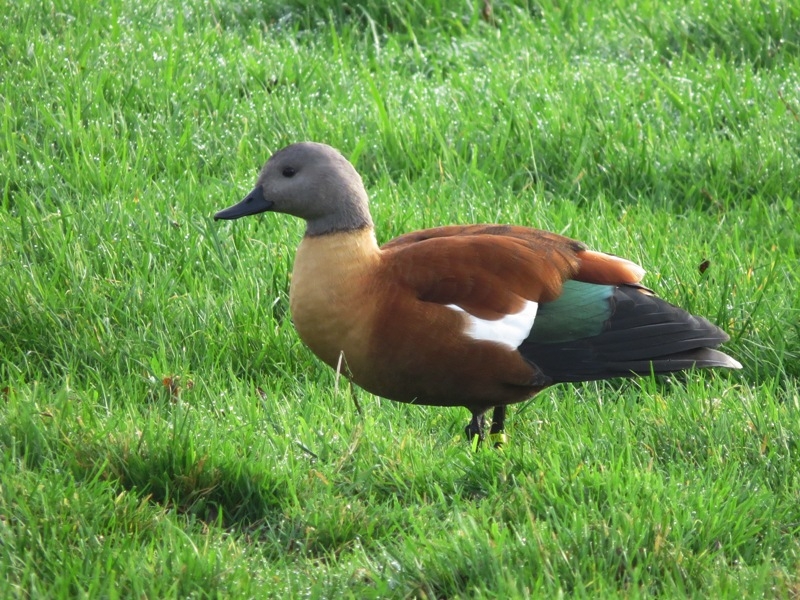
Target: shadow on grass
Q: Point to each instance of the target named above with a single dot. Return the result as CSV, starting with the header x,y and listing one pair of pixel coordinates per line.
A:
x,y
224,494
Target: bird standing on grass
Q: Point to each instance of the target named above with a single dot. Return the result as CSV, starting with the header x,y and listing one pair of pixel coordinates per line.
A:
x,y
480,316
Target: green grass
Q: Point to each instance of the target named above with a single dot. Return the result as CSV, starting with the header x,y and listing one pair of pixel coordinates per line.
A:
x,y
165,434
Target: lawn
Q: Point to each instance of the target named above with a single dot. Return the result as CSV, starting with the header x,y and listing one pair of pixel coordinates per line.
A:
x,y
165,434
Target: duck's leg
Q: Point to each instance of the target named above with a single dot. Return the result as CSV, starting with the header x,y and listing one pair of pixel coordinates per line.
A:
x,y
497,433
475,429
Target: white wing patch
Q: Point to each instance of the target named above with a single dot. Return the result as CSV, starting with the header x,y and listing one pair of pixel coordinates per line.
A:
x,y
510,331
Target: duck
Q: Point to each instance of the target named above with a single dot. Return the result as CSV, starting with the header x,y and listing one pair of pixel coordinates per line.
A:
x,y
478,316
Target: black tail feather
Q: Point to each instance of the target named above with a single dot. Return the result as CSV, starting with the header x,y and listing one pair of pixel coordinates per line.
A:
x,y
643,334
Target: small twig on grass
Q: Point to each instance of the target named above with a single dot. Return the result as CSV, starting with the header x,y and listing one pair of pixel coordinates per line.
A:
x,y
339,364
338,372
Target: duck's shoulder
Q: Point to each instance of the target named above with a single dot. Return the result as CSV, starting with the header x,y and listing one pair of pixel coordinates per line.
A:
x,y
481,268
535,239
471,265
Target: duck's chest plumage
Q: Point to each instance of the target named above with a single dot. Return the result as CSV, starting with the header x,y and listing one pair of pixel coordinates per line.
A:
x,y
330,295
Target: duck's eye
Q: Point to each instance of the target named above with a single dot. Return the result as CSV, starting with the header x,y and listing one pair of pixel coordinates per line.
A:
x,y
289,172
